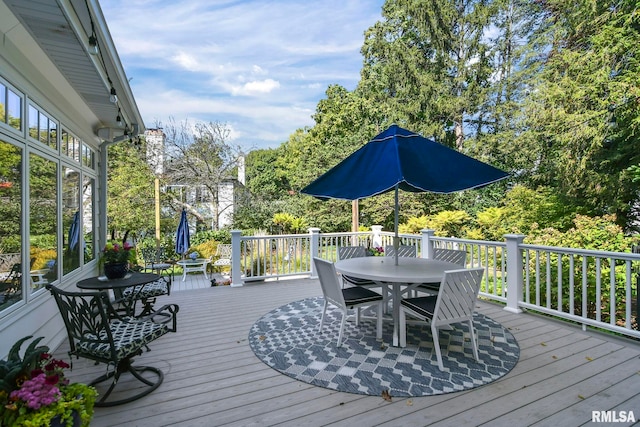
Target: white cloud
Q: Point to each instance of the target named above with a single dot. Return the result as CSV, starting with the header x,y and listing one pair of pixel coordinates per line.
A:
x,y
260,66
256,87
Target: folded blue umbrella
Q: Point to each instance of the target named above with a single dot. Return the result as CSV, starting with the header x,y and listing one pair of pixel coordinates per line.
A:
x,y
183,239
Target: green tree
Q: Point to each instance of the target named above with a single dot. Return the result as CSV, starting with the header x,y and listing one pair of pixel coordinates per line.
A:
x,y
584,113
200,155
130,204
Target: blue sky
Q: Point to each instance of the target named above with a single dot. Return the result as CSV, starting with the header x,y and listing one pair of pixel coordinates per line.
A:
x,y
260,66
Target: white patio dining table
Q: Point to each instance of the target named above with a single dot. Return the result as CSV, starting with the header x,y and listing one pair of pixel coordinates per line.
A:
x,y
409,273
194,265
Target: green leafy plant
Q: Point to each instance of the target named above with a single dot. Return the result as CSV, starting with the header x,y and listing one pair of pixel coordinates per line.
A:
x,y
34,390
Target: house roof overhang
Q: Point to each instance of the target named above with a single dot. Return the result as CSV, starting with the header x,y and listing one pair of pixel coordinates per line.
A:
x,y
61,29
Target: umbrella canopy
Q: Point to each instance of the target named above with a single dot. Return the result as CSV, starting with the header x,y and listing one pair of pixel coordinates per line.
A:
x,y
400,159
183,239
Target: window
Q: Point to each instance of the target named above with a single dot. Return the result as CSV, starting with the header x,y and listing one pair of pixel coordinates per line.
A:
x,y
71,222
59,172
43,221
10,107
10,224
88,157
71,145
88,203
42,127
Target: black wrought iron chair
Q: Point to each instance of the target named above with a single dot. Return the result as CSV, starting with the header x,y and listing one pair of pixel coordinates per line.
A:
x,y
155,260
146,294
98,333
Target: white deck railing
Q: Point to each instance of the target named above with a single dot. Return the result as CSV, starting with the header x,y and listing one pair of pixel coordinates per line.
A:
x,y
574,284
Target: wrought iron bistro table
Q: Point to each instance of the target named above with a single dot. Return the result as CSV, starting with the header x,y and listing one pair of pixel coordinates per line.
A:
x,y
409,273
134,280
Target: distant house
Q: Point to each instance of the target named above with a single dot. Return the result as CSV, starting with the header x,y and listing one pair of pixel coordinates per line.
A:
x,y
216,210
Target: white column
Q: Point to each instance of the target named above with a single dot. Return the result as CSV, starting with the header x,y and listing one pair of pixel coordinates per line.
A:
x,y
427,243
515,273
376,240
315,244
236,271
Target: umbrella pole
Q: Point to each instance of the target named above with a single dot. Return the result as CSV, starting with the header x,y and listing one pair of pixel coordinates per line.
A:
x,y
396,239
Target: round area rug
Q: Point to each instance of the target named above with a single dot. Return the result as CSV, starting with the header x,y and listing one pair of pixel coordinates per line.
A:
x,y
287,340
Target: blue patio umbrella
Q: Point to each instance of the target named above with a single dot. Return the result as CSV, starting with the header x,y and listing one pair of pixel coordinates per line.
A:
x,y
183,240
400,159
74,232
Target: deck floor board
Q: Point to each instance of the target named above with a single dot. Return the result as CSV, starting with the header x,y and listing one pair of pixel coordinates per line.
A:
x,y
212,377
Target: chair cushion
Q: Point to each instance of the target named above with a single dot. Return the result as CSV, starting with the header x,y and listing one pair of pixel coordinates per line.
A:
x,y
128,338
432,286
423,306
358,295
160,266
358,281
149,290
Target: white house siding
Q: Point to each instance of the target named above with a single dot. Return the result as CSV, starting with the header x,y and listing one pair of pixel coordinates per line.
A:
x,y
29,71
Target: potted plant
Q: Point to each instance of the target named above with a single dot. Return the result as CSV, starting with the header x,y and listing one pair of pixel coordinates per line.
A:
x,y
116,259
34,391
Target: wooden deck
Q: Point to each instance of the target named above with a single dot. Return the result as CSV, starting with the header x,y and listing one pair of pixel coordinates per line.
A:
x,y
212,377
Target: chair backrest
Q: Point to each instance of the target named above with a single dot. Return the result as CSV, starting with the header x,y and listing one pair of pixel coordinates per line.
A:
x,y
451,255
16,273
457,295
223,250
152,255
346,252
403,250
86,319
329,282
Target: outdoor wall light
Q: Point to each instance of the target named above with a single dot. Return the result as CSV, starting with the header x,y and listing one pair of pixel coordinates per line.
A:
x,y
113,97
93,45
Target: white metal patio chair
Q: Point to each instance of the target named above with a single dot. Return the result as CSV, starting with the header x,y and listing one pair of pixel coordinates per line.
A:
x,y
348,252
455,256
455,303
345,299
403,250
222,256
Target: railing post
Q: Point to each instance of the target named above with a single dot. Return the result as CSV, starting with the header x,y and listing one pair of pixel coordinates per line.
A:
x,y
315,244
427,243
515,275
236,255
376,239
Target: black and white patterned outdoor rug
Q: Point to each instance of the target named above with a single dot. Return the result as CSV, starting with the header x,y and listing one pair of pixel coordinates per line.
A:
x,y
287,340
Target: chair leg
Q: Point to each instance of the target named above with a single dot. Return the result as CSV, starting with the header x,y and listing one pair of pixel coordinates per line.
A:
x,y
379,323
342,322
474,342
402,326
324,311
125,366
436,346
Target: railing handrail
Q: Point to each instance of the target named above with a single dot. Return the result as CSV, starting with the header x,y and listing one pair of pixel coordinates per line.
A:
x,y
586,252
537,277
